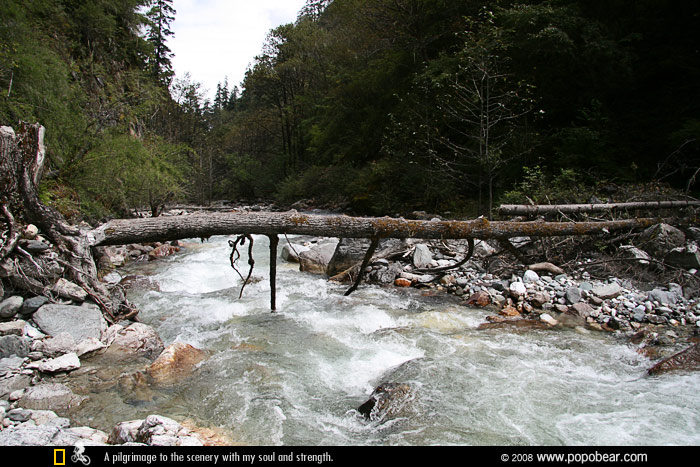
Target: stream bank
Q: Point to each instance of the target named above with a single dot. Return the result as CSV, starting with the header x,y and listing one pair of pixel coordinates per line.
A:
x,y
256,385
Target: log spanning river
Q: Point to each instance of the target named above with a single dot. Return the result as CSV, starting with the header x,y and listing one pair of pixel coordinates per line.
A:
x,y
296,377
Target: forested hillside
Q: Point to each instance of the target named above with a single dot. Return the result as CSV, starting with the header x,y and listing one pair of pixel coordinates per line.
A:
x,y
375,106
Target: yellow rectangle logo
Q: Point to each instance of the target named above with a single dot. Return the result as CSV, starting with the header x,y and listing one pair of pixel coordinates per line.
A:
x,y
59,457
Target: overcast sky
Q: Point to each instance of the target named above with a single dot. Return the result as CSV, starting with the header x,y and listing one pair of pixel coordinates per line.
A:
x,y
215,39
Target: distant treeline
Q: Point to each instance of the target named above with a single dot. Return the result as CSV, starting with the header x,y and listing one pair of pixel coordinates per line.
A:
x,y
376,106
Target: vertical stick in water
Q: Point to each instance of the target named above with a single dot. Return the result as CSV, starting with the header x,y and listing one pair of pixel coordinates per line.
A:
x,y
274,241
368,256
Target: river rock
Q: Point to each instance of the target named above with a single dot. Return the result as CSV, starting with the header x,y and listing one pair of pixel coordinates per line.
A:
x,y
10,365
348,252
163,251
548,319
157,430
386,401
659,239
530,276
67,362
664,297
684,257
517,290
291,253
13,345
686,360
581,309
479,299
573,295
176,362
68,289
32,304
632,252
11,306
316,259
422,256
136,339
607,291
538,299
50,396
81,322
124,432
12,328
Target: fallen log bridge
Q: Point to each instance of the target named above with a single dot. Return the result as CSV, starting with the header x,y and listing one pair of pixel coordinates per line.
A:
x,y
117,232
120,232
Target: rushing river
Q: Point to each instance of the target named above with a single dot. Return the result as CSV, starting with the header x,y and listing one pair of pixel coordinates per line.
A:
x,y
296,377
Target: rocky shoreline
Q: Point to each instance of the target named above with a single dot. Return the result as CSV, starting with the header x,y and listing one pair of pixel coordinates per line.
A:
x,y
44,342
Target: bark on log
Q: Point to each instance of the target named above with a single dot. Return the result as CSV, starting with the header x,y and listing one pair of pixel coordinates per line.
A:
x,y
119,232
22,158
524,209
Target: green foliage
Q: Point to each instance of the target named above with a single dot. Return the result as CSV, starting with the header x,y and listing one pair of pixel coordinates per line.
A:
x,y
123,172
537,186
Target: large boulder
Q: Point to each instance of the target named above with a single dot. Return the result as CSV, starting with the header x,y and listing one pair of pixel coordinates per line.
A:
x,y
315,260
659,239
348,252
81,322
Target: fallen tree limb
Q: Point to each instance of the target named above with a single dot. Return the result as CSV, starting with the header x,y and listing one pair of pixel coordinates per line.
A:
x,y
525,209
119,232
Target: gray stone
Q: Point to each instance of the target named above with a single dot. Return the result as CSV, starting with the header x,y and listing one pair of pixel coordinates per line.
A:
x,y
30,305
663,297
573,295
67,362
56,346
607,291
13,345
50,396
35,246
422,256
517,290
686,258
78,321
137,339
10,306
540,298
316,259
10,365
530,276
12,383
12,328
68,289
582,309
659,239
291,252
19,415
632,252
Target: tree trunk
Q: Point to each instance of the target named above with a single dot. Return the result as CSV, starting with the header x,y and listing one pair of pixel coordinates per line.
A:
x,y
22,157
117,232
524,209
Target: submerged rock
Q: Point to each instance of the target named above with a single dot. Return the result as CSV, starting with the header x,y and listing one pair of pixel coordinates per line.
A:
x,y
176,362
388,400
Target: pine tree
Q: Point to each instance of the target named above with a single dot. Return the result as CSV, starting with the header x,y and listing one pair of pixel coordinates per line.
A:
x,y
160,16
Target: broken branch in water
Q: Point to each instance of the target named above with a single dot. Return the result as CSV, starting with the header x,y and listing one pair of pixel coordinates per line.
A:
x,y
235,256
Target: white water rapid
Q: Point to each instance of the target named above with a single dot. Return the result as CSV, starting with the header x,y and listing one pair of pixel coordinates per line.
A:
x,y
296,377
